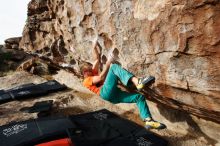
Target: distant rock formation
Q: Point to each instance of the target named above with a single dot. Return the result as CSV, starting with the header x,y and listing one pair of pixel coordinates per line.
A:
x,y
12,43
177,41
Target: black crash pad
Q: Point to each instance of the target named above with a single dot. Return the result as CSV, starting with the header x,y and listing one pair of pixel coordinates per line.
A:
x,y
111,125
30,90
41,106
34,131
100,128
21,86
2,92
27,92
5,98
52,86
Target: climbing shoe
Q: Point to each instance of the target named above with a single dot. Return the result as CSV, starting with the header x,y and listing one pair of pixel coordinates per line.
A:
x,y
151,124
145,81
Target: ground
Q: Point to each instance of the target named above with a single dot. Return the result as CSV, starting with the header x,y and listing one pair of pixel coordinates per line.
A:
x,y
75,100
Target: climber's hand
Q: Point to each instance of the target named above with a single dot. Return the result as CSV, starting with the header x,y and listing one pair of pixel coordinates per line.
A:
x,y
113,55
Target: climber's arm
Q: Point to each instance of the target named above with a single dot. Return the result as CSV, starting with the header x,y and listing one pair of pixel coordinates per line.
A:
x,y
96,55
101,77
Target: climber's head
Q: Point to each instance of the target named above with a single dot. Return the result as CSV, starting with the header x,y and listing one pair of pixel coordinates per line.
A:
x,y
86,69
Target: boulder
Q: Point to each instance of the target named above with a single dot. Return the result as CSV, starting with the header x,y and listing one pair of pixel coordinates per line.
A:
x,y
26,65
175,41
2,49
14,40
12,43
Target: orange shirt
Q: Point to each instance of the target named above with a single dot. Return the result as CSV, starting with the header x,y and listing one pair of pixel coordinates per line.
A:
x,y
87,82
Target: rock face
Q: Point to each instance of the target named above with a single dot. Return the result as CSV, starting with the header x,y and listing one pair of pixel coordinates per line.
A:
x,y
177,41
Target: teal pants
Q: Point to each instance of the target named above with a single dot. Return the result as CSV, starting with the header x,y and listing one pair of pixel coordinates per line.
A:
x,y
112,93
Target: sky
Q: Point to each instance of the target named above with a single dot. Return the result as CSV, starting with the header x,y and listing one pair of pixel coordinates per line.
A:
x,y
13,14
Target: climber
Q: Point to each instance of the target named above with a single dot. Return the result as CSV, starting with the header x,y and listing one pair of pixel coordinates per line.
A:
x,y
105,85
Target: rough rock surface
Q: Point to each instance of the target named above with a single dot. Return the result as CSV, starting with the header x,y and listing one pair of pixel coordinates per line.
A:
x,y
177,41
12,43
10,59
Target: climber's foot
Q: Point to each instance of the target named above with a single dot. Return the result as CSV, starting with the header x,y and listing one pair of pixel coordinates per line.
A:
x,y
145,81
151,124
